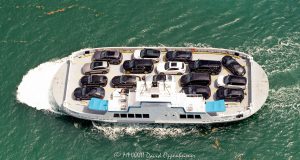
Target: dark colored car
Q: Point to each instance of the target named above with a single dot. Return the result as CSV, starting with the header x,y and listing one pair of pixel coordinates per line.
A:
x,y
233,66
203,79
124,81
88,92
93,80
183,56
112,57
147,54
138,66
232,81
161,77
228,94
197,89
212,67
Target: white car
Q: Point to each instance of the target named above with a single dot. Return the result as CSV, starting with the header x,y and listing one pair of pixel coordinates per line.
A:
x,y
232,81
147,54
171,68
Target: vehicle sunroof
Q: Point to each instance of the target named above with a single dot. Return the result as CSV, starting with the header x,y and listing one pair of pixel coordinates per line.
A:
x,y
173,64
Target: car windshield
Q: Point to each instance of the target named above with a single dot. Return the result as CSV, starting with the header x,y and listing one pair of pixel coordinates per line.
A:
x,y
124,78
183,54
234,92
230,61
95,79
160,77
149,53
90,90
235,80
131,63
226,79
97,65
167,66
197,63
109,54
142,54
238,68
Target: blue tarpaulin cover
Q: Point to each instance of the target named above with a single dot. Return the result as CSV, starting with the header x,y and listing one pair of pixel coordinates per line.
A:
x,y
97,104
215,106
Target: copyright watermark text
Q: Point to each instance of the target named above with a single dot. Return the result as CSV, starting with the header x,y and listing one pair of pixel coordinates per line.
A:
x,y
148,155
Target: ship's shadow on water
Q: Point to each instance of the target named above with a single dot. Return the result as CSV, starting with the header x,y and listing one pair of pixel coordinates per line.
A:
x,y
114,131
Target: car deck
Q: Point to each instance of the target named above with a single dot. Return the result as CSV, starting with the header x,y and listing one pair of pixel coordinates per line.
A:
x,y
76,63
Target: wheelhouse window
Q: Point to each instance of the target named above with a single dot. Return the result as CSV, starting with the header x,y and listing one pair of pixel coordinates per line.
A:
x,y
138,115
145,115
123,115
190,116
182,116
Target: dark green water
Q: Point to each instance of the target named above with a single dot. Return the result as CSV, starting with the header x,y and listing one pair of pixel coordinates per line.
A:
x,y
268,30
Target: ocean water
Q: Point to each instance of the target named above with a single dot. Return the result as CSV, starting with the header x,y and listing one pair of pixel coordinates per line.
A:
x,y
36,35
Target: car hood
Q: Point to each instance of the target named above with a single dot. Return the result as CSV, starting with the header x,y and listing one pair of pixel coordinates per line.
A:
x,y
169,54
97,56
160,67
116,80
127,65
86,68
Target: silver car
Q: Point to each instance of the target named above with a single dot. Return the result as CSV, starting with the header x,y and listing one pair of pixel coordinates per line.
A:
x,y
97,67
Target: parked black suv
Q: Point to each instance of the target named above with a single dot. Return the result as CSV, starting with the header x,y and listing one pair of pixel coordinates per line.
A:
x,y
212,67
124,81
228,94
203,79
233,66
183,56
86,93
138,66
93,80
197,89
112,57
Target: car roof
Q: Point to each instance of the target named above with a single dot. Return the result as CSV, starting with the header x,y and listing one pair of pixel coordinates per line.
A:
x,y
204,76
143,62
234,91
151,52
237,79
174,64
99,63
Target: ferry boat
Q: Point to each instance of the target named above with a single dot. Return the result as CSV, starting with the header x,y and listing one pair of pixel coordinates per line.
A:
x,y
178,85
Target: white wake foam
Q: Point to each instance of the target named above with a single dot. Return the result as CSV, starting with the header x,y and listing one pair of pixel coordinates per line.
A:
x,y
34,90
115,131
